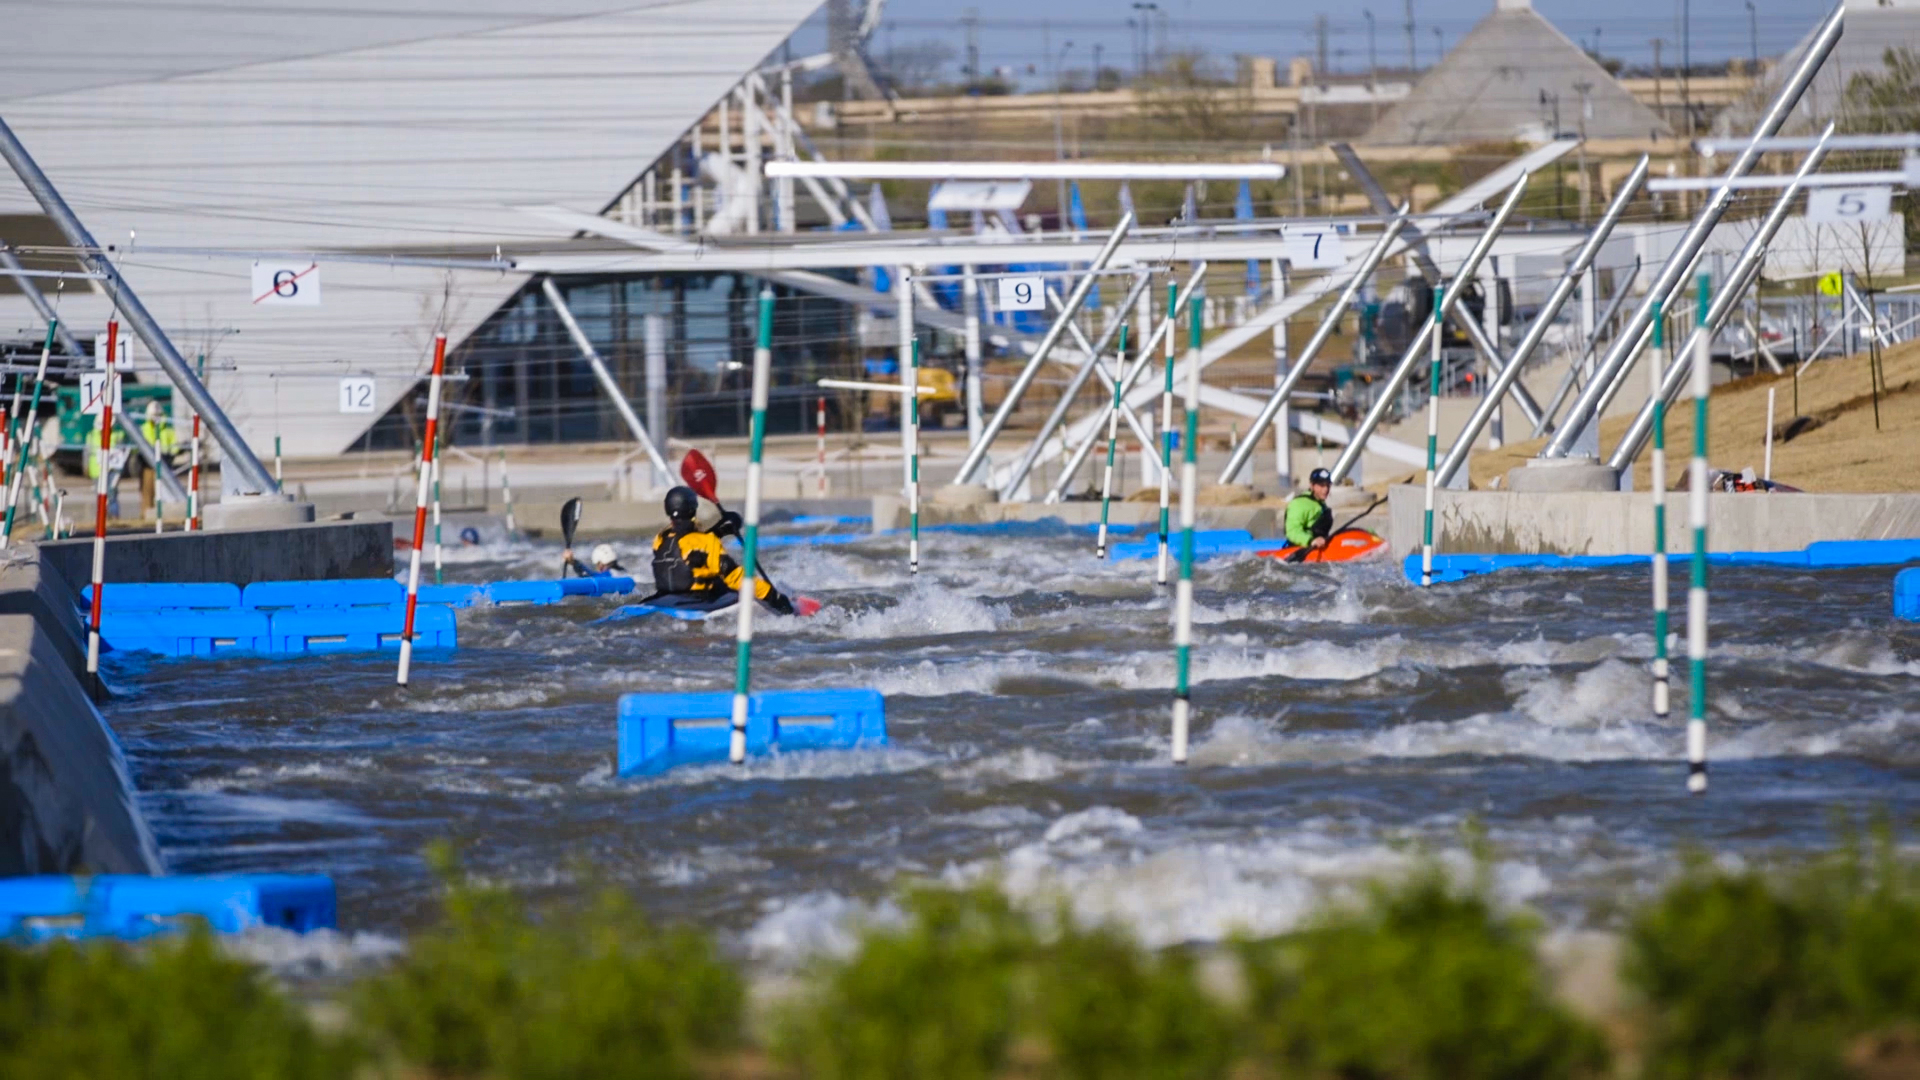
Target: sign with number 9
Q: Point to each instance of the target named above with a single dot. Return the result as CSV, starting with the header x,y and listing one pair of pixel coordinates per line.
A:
x,y
1023,294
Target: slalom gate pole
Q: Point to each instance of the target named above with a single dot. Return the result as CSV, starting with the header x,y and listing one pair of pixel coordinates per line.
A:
x,y
1433,434
820,443
1189,492
420,505
22,433
1697,590
750,536
506,494
1113,436
1656,362
100,505
911,410
439,578
193,476
1166,431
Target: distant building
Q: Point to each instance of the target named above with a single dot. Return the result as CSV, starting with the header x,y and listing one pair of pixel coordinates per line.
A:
x,y
1873,28
1514,76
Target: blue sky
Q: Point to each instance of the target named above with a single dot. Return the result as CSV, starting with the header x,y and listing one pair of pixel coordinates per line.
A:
x,y
1016,33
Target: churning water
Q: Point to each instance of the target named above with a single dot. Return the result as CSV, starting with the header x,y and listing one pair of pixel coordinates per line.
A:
x,y
1345,720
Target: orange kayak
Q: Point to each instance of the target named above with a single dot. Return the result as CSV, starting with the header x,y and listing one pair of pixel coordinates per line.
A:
x,y
1344,546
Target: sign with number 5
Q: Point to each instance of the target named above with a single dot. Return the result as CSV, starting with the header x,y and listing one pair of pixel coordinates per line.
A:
x,y
1023,294
286,284
356,395
1849,206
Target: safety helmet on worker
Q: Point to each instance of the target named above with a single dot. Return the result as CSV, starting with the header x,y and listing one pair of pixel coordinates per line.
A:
x,y
682,504
604,556
1319,477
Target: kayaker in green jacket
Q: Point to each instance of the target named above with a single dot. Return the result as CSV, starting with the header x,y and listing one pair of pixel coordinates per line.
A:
x,y
1309,522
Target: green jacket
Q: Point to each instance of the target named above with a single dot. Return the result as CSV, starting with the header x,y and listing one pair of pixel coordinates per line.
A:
x,y
1307,517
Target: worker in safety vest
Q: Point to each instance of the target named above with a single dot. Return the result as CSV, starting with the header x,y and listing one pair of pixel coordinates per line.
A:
x,y
159,431
691,563
115,463
1309,522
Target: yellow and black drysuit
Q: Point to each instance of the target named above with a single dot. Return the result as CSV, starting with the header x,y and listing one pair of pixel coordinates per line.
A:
x,y
689,561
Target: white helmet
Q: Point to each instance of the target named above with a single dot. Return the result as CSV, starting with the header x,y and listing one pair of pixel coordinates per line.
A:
x,y
153,410
604,555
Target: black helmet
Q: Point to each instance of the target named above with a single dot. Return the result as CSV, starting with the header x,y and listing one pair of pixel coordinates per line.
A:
x,y
1319,476
682,504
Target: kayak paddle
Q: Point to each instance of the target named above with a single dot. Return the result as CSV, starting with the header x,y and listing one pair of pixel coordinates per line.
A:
x,y
569,521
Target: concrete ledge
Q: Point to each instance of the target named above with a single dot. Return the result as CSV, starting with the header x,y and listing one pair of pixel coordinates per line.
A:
x,y
66,799
323,550
31,587
1621,523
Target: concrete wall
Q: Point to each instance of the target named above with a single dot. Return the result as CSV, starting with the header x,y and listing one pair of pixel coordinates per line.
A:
x,y
1621,523
66,797
321,550
890,512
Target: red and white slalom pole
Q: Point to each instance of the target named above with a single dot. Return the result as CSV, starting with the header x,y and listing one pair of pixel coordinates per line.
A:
x,y
193,479
820,442
100,503
420,503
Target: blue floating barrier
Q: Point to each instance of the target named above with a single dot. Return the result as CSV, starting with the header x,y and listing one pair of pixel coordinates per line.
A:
x,y
344,592
1838,553
127,906
1906,594
360,629
525,592
612,585
659,731
154,596
186,631
463,595
1207,543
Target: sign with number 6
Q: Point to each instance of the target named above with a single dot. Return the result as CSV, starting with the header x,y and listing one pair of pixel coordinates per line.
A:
x,y
1023,294
286,284
1849,206
356,395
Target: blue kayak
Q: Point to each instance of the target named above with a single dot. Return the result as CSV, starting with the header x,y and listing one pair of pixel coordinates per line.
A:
x,y
689,608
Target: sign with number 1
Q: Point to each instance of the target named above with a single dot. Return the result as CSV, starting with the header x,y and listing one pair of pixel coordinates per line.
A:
x,y
1023,294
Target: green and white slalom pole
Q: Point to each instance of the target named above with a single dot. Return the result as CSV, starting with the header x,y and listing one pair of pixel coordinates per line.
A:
x,y
750,535
911,411
1433,432
15,428
1166,429
1183,593
1697,591
1113,437
1656,362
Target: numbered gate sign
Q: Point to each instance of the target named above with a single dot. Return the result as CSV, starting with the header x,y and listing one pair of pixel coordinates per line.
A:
x,y
286,284
1849,206
124,347
1023,294
93,385
356,395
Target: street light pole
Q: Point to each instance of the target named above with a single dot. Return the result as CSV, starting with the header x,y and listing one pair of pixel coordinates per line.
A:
x,y
1373,68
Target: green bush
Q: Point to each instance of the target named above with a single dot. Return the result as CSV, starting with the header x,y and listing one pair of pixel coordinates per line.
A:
x,y
1108,1010
1421,981
598,993
933,1000
1745,974
167,1009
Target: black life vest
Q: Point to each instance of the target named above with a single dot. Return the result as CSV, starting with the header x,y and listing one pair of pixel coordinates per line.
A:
x,y
671,574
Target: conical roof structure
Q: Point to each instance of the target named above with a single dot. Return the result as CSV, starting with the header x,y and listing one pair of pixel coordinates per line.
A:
x,y
1514,76
1872,29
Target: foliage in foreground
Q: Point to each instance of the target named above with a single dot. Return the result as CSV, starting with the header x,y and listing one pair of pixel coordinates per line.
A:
x,y
1812,973
1753,976
1422,980
598,993
169,1009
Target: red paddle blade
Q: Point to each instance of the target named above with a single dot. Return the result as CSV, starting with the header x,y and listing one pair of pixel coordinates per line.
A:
x,y
805,605
697,471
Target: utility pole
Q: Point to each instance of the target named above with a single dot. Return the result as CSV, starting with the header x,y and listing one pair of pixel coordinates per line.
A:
x,y
1659,103
1412,65
1320,49
1586,186
1753,40
1439,46
971,20
1686,64
1373,68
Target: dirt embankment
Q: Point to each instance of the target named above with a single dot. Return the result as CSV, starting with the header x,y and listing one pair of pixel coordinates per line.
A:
x,y
1829,443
